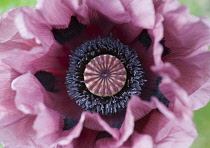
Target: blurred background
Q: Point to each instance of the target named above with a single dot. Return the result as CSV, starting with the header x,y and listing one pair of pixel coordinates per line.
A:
x,y
198,8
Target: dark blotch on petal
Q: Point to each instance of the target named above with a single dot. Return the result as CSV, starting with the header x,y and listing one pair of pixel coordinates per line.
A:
x,y
118,126
103,134
158,94
69,123
145,39
166,50
64,35
47,80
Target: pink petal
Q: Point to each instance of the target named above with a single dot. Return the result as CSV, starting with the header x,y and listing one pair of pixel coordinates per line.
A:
x,y
86,139
61,14
47,125
92,121
7,26
141,141
67,137
200,97
179,102
188,39
31,25
22,60
138,9
165,132
6,75
177,135
183,30
114,10
194,75
157,35
166,70
18,133
136,109
26,86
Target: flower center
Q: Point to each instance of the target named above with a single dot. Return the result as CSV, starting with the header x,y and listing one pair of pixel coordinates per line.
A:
x,y
105,75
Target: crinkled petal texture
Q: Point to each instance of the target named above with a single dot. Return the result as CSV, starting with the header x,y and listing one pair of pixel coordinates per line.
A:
x,y
187,37
34,40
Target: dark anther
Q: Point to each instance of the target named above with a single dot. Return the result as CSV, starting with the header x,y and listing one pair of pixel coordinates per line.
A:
x,y
166,50
47,80
145,39
103,134
69,123
64,35
158,94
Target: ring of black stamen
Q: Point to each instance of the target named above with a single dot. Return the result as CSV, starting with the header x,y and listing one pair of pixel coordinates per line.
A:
x,y
75,79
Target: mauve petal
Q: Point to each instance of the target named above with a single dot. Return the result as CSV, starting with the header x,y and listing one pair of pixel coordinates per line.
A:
x,y
67,137
150,124
19,133
200,97
167,132
47,126
123,18
95,122
6,75
127,127
19,52
22,60
65,105
105,142
86,139
128,32
61,14
157,35
136,109
183,30
194,75
166,70
114,10
92,121
179,102
141,141
31,25
138,9
79,8
7,25
27,86
187,37
177,134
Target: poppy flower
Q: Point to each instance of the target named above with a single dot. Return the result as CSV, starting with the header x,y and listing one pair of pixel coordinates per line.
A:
x,y
100,74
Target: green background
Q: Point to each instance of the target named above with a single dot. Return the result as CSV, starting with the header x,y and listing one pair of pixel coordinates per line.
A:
x,y
202,116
